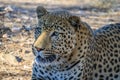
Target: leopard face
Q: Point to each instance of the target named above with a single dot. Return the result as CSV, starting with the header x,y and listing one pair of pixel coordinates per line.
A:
x,y
56,40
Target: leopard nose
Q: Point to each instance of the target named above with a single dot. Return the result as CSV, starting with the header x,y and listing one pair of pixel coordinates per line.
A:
x,y
39,49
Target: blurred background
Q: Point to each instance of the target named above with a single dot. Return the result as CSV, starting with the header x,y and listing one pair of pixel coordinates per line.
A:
x,y
18,20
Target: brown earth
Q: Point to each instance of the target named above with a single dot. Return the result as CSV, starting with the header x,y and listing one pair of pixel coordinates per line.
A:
x,y
16,56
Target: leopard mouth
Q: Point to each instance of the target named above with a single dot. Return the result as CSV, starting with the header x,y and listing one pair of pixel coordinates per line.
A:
x,y
45,57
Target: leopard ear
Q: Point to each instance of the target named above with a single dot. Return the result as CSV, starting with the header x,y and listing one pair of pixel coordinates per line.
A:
x,y
74,21
41,11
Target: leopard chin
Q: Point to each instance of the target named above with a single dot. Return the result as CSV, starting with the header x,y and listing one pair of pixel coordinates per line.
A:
x,y
47,59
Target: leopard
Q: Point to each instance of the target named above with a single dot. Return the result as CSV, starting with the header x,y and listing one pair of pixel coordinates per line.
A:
x,y
67,48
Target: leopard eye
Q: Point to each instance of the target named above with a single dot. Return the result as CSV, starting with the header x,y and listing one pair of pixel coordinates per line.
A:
x,y
55,34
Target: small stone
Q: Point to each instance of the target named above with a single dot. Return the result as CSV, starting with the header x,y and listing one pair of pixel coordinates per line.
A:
x,y
4,30
111,20
8,9
25,17
18,59
26,51
5,35
16,29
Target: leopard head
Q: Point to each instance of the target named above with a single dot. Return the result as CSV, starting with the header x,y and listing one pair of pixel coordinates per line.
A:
x,y
57,37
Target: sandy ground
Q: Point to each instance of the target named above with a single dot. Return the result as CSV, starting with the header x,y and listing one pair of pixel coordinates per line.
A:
x,y
16,56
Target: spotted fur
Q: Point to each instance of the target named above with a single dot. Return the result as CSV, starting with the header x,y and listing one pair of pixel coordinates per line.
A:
x,y
66,48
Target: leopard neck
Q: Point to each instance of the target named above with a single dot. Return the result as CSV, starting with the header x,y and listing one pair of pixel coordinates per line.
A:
x,y
85,41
